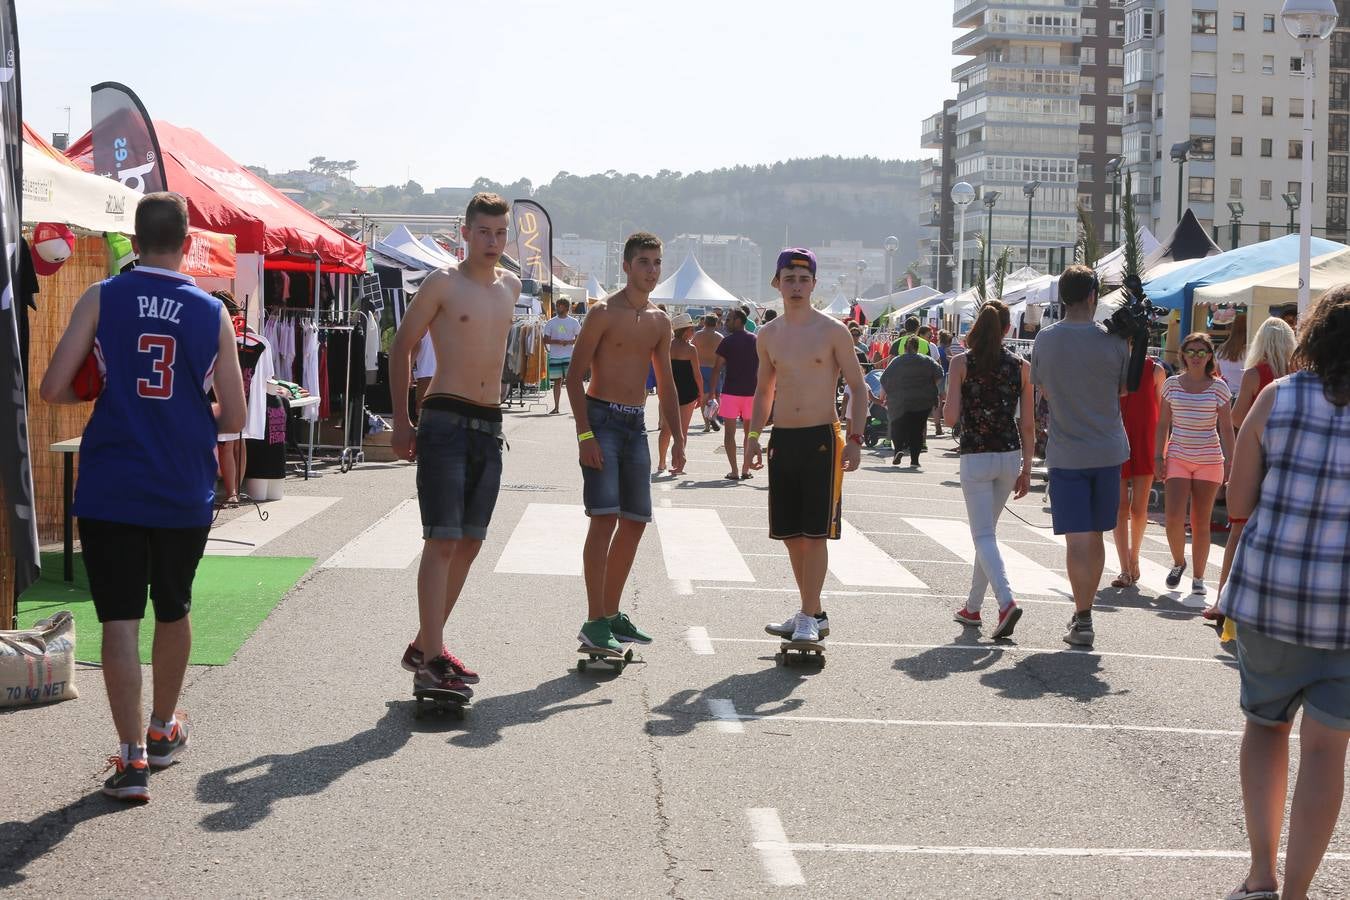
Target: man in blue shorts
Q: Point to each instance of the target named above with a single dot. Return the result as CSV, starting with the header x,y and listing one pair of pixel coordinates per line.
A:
x,y
623,337
148,470
560,336
1082,372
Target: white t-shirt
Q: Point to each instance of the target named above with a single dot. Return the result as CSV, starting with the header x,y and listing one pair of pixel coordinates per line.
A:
x,y
562,328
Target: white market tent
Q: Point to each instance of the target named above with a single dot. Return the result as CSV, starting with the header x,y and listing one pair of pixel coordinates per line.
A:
x,y
838,307
1278,286
573,293
593,289
691,286
897,302
53,192
1108,304
1111,267
403,247
963,304
437,250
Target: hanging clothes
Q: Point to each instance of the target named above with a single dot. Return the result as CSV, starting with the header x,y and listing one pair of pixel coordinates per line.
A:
x,y
267,455
324,410
255,359
310,365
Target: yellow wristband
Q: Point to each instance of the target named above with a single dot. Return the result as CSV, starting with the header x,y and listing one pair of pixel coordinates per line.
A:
x,y
754,435
586,436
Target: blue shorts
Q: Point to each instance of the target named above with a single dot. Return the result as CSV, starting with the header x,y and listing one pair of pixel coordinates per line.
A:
x,y
1084,500
557,368
623,487
707,379
459,472
1279,677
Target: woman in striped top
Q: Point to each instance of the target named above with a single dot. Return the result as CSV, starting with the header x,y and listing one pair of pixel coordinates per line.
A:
x,y
1195,438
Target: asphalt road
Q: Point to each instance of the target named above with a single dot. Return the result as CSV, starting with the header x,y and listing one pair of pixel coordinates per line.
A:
x,y
920,761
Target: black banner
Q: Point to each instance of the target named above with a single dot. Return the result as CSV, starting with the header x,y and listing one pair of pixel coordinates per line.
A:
x,y
125,146
534,243
15,472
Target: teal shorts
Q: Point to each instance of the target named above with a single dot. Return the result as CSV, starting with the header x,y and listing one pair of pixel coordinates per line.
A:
x,y
557,368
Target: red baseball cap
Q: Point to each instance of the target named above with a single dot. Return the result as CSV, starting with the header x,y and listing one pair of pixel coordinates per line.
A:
x,y
53,244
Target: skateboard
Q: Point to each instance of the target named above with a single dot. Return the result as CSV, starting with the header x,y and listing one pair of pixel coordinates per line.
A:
x,y
617,659
438,701
788,651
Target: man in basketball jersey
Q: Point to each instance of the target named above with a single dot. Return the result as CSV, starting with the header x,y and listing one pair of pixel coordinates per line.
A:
x,y
148,470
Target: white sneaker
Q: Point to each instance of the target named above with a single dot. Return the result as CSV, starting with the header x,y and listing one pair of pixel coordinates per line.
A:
x,y
785,629
807,631
1198,587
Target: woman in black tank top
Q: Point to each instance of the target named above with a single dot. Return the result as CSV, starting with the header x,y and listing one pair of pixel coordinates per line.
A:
x,y
688,383
988,388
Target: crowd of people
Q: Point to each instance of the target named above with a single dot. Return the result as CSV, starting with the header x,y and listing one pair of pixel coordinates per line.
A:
x,y
1275,432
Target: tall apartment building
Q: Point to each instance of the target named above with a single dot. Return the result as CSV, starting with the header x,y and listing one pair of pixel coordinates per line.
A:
x,y
934,211
586,255
1027,112
732,260
1338,125
837,268
1223,79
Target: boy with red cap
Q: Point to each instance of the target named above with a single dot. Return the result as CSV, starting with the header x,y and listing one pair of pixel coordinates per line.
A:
x,y
802,354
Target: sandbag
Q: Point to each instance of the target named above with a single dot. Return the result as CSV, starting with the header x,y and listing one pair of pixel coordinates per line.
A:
x,y
37,665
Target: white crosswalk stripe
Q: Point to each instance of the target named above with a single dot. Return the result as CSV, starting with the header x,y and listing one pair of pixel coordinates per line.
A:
x,y
391,543
546,541
1025,574
698,547
246,535
1152,576
857,562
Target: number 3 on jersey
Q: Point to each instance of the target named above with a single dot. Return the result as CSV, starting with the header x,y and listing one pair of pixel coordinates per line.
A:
x,y
162,348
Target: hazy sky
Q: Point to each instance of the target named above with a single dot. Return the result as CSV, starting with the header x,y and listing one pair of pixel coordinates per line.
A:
x,y
447,91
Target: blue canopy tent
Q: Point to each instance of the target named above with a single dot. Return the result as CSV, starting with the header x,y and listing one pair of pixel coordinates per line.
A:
x,y
1176,289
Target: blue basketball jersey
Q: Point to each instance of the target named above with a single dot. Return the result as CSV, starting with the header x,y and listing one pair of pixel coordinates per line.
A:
x,y
148,453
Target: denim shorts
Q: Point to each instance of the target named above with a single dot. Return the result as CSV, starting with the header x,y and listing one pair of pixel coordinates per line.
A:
x,y
459,471
623,487
1084,500
1279,677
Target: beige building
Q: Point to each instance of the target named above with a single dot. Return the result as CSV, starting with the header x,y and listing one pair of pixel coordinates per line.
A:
x,y
1221,79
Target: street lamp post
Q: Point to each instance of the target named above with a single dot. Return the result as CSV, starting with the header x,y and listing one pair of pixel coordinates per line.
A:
x,y
1291,200
1113,169
1180,153
1235,223
892,244
962,195
862,267
1310,22
1029,191
990,198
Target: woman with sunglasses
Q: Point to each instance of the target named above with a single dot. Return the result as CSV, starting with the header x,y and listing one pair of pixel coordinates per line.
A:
x,y
1195,429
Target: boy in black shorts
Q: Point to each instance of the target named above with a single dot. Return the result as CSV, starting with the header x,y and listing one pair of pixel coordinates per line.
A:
x,y
802,354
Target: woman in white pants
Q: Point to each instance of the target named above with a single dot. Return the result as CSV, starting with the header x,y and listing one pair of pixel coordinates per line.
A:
x,y
988,388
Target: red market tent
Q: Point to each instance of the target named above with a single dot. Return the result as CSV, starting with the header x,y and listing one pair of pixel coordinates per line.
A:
x,y
223,196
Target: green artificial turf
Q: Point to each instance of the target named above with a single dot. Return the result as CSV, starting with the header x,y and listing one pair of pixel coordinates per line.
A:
x,y
231,597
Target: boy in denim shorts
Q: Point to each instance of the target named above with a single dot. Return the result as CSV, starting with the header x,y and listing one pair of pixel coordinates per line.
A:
x,y
458,444
622,336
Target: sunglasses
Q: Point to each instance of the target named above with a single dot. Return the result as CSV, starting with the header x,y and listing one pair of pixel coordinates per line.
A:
x,y
1196,354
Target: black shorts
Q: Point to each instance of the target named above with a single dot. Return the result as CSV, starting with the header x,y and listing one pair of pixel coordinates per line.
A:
x,y
806,481
459,468
123,560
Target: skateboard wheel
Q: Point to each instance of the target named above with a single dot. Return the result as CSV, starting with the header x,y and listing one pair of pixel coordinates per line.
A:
x,y
628,656
581,665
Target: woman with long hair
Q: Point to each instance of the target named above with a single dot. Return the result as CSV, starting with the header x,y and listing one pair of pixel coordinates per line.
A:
x,y
1195,426
1291,480
988,388
688,383
1270,357
1139,411
1231,355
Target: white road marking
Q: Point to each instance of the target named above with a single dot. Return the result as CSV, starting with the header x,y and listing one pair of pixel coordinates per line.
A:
x,y
246,535
682,587
990,648
697,638
1113,852
856,561
696,546
546,541
1152,576
926,595
958,723
391,543
1025,574
724,717
775,853
762,507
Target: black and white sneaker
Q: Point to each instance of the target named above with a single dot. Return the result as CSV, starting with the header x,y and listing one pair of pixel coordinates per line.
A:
x,y
1174,574
130,782
163,746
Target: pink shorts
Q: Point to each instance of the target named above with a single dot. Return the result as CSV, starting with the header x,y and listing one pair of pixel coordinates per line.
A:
x,y
732,407
1184,468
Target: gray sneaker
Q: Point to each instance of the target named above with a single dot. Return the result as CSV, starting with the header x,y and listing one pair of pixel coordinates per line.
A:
x,y
807,630
1080,632
785,629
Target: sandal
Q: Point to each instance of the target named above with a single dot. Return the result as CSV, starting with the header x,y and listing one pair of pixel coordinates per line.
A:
x,y
1241,892
746,475
732,476
1123,580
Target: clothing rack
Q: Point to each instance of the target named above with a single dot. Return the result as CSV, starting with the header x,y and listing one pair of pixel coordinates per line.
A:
x,y
516,393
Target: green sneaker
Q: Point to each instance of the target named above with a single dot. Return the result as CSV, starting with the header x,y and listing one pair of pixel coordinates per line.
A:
x,y
626,631
600,635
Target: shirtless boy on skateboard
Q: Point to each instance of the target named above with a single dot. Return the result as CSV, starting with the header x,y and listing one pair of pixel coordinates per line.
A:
x,y
802,353
621,337
458,444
